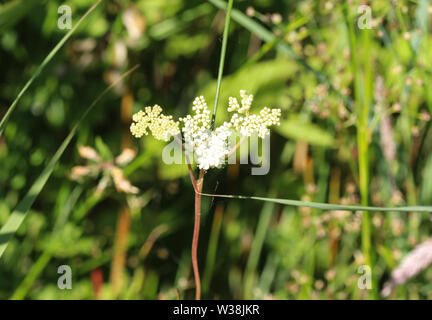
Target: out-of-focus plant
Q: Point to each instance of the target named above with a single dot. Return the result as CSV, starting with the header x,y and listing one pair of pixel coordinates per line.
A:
x,y
107,169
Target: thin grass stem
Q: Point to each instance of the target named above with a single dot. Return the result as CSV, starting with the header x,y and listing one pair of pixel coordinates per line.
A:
x,y
39,69
222,59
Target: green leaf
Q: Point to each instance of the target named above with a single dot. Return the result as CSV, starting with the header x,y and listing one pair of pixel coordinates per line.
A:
x,y
266,76
297,128
172,171
103,149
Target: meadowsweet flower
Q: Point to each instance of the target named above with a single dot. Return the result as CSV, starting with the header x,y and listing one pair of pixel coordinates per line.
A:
x,y
247,123
210,147
161,126
196,126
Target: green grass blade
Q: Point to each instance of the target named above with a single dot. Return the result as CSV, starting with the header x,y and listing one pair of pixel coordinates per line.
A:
x,y
284,48
212,250
325,206
20,212
273,43
12,12
42,66
222,58
32,275
250,275
361,65
175,25
43,260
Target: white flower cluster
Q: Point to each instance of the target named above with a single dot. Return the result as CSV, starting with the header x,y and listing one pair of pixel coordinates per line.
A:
x,y
162,127
247,123
210,148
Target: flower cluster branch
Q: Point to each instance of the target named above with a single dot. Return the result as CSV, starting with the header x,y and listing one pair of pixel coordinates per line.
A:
x,y
210,147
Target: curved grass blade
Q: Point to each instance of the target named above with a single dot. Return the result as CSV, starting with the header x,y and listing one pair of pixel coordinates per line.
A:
x,y
20,212
46,255
42,66
222,59
268,36
325,206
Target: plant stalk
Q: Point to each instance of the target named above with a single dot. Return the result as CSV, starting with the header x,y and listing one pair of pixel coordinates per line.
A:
x,y
199,185
361,64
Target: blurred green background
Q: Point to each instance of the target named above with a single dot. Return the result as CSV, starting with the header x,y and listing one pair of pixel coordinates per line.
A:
x,y
294,55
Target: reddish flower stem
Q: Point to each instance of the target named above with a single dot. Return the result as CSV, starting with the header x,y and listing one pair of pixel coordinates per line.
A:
x,y
199,184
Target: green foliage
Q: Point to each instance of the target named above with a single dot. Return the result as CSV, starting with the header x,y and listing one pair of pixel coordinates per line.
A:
x,y
342,140
298,129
